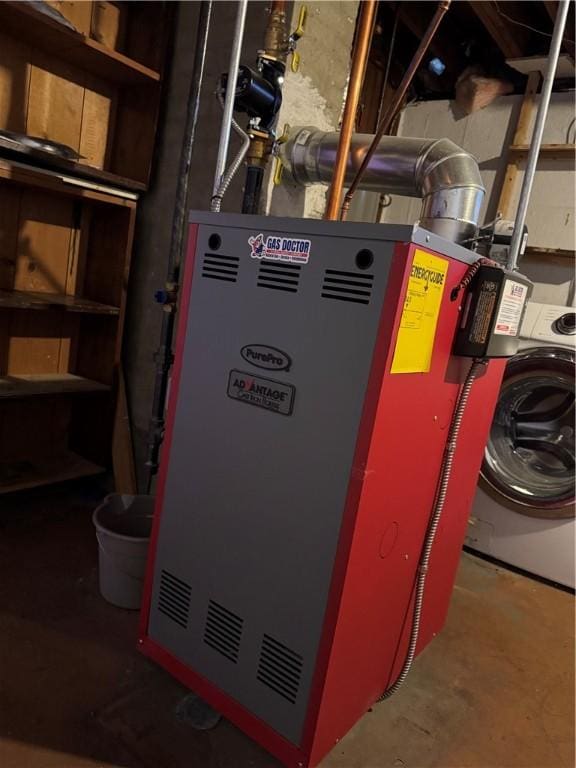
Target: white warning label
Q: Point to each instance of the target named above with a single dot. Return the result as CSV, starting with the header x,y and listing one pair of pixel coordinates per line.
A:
x,y
510,309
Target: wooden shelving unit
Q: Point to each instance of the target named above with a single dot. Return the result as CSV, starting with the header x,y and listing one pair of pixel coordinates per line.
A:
x,y
67,229
64,264
31,26
95,88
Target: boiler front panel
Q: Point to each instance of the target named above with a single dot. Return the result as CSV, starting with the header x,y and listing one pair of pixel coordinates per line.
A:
x,y
274,371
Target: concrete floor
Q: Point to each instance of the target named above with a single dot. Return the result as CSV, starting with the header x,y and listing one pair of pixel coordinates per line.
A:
x,y
495,690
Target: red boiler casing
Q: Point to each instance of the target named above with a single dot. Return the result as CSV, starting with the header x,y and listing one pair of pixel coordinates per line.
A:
x,y
280,589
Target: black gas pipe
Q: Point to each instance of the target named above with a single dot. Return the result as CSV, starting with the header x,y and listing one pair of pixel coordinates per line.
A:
x,y
167,297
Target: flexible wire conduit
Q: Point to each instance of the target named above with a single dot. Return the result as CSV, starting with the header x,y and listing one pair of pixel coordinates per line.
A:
x,y
445,474
216,203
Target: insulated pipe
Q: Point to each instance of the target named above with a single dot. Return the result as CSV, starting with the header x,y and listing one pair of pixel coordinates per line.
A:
x,y
535,144
230,93
437,170
359,60
386,122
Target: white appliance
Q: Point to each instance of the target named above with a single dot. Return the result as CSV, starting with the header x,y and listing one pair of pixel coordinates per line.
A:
x,y
524,512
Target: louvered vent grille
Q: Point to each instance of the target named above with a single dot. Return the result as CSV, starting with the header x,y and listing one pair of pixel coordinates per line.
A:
x,y
347,286
219,267
280,668
174,598
279,276
223,631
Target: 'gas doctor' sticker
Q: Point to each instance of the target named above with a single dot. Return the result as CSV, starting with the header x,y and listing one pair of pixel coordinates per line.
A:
x,y
279,248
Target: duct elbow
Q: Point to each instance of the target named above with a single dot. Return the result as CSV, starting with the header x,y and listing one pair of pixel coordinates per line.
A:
x,y
448,181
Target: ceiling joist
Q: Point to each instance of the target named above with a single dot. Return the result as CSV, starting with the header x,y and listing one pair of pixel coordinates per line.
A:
x,y
552,8
510,39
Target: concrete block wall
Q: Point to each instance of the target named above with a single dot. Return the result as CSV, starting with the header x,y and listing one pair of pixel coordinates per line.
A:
x,y
486,134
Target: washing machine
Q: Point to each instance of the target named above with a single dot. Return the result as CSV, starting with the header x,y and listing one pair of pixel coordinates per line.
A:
x,y
523,513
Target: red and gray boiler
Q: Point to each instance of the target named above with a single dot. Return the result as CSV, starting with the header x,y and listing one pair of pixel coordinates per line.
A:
x,y
313,387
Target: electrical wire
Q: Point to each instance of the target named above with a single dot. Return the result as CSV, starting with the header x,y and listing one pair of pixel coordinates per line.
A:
x,y
388,63
570,126
386,200
527,26
216,203
477,366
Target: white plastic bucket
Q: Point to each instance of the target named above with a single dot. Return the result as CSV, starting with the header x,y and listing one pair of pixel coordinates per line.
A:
x,y
123,524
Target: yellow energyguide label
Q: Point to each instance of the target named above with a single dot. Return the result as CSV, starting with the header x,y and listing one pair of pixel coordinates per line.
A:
x,y
415,340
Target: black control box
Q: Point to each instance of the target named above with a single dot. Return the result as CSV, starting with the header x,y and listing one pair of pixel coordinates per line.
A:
x,y
492,313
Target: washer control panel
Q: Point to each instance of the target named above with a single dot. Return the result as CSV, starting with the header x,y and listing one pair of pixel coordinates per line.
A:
x,y
550,323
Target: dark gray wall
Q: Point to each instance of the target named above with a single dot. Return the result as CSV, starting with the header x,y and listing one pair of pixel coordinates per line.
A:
x,y
155,210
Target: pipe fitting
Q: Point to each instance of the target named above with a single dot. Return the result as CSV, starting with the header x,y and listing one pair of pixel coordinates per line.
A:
x,y
441,173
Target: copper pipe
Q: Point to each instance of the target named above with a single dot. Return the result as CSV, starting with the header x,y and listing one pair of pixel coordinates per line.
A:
x,y
276,48
359,60
276,34
390,113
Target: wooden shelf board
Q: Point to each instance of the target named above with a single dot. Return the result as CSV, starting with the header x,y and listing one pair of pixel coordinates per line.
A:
x,y
29,385
85,179
19,475
36,300
29,25
545,149
562,252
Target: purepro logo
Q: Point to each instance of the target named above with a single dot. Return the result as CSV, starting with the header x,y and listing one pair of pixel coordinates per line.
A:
x,y
263,356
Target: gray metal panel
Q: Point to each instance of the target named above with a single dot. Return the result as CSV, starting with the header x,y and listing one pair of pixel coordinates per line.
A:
x,y
400,233
254,499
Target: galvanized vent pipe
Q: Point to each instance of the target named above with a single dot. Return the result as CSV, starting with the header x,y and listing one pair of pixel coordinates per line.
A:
x,y
228,113
441,173
536,143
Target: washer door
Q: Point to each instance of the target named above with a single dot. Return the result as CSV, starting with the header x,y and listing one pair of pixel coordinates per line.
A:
x,y
529,459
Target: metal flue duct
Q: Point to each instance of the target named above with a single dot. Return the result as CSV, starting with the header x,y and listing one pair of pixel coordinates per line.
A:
x,y
437,170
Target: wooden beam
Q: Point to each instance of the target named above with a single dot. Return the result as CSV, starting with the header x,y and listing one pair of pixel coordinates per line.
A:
x,y
551,7
521,136
548,252
510,38
122,448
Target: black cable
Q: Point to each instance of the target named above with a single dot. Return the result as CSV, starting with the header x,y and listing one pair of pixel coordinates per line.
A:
x,y
527,26
569,129
388,63
382,204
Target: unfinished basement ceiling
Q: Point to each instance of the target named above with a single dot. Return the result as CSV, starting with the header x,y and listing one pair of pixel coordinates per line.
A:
x,y
478,35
